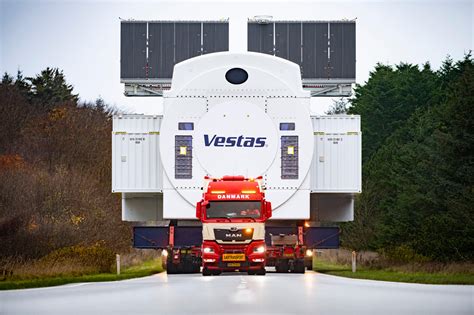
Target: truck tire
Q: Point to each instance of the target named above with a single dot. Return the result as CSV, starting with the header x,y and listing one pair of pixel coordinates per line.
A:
x,y
206,272
251,272
261,272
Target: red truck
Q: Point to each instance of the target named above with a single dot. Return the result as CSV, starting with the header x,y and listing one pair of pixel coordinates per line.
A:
x,y
233,212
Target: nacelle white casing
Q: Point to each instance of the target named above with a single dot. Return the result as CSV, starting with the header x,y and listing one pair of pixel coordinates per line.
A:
x,y
262,127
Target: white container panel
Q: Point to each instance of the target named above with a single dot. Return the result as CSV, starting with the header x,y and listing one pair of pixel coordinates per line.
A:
x,y
337,164
136,165
136,123
336,123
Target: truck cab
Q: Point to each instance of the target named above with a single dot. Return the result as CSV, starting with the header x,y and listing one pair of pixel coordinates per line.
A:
x,y
233,212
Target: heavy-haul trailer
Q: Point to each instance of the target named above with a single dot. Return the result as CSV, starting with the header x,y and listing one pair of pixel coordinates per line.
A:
x,y
233,212
236,114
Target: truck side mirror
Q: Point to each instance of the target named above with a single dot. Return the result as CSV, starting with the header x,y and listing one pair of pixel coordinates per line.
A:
x,y
268,209
200,206
199,210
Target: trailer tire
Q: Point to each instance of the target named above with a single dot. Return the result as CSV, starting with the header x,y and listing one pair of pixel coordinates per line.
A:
x,y
282,266
298,266
171,269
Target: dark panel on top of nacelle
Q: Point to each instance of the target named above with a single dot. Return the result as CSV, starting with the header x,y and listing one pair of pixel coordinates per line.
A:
x,y
321,55
169,42
315,50
343,51
288,41
215,37
187,41
260,38
161,49
132,50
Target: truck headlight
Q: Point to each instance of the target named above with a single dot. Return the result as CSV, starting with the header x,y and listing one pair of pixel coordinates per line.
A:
x,y
208,250
309,252
259,249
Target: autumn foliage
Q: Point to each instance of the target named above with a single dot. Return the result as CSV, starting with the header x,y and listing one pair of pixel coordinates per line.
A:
x,y
55,173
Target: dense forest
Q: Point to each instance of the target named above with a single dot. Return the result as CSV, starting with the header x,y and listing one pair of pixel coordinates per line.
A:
x,y
418,162
417,124
55,172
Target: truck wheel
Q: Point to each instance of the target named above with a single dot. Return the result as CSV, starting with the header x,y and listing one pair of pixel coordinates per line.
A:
x,y
251,272
206,272
261,272
216,272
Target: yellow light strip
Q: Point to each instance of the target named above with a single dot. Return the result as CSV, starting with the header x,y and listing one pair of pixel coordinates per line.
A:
x,y
248,191
218,192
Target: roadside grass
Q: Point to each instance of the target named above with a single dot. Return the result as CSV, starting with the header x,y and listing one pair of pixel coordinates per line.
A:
x,y
142,270
388,274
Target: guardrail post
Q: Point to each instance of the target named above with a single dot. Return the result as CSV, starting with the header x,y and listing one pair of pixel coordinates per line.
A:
x,y
118,263
354,261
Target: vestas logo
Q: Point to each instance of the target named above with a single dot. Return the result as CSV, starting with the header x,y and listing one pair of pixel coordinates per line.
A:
x,y
241,141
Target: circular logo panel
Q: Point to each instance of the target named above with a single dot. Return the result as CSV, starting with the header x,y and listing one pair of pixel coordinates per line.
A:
x,y
236,138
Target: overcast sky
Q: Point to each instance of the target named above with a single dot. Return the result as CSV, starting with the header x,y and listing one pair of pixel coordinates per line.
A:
x,y
83,37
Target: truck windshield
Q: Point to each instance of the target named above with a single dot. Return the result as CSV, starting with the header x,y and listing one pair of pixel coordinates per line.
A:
x,y
233,209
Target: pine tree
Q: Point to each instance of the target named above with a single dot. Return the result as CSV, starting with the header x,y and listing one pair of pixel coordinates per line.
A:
x,y
49,88
339,107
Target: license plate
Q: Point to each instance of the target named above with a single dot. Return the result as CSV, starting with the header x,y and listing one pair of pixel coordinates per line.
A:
x,y
233,264
233,257
288,255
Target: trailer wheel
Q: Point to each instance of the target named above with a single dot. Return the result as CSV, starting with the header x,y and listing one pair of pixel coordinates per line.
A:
x,y
206,272
298,266
171,269
282,266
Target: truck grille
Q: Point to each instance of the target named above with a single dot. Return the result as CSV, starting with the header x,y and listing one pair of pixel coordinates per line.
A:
x,y
228,235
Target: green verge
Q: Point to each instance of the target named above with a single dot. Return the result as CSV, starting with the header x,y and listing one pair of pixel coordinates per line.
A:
x,y
392,275
145,269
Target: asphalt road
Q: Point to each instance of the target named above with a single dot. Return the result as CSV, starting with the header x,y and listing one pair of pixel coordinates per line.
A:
x,y
311,293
